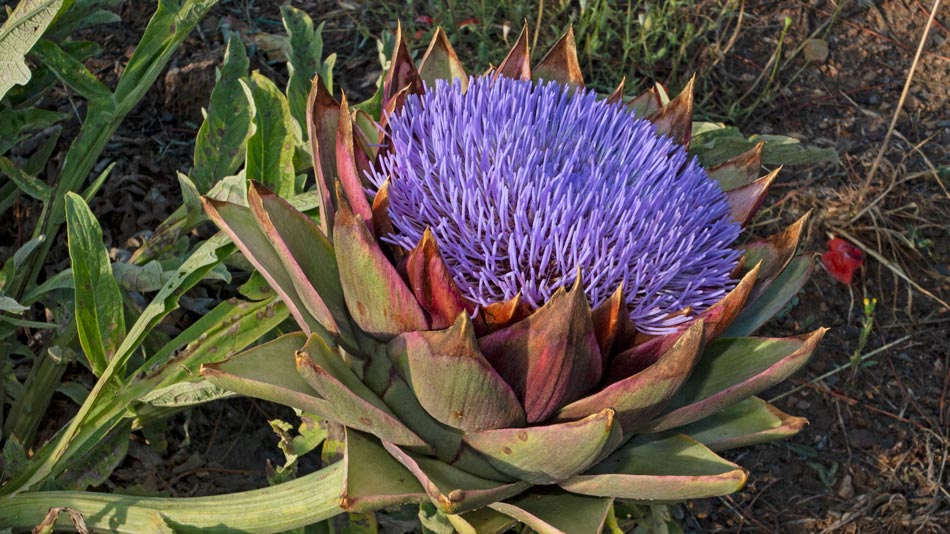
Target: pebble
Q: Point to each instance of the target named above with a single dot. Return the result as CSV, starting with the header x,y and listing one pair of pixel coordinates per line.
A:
x,y
815,51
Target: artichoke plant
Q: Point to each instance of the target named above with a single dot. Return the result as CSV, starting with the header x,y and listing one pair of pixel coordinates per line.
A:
x,y
521,300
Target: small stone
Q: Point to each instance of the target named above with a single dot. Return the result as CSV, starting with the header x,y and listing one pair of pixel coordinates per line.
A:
x,y
815,51
846,489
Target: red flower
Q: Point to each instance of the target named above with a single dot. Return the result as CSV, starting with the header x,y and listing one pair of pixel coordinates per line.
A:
x,y
842,259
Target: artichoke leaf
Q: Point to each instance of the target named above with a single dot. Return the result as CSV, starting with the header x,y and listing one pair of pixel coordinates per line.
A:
x,y
346,165
354,404
745,201
453,381
552,357
378,299
740,170
640,397
323,116
440,62
749,422
675,119
452,490
733,369
558,512
764,303
307,256
268,372
775,252
378,373
402,72
240,224
716,319
656,468
647,103
517,64
372,478
550,453
561,64
432,282
612,324
483,521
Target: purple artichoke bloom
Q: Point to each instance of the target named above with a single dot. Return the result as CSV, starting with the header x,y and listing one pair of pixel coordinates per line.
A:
x,y
524,185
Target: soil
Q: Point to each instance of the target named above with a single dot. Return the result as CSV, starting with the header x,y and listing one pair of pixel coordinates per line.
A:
x,y
874,457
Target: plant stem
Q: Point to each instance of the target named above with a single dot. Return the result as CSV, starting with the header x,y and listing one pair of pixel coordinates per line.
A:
x,y
290,505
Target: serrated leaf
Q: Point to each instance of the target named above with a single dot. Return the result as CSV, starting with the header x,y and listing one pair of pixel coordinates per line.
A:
x,y
270,150
99,315
19,33
220,145
306,51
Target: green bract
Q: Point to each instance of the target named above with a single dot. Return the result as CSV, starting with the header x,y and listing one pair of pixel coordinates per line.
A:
x,y
501,413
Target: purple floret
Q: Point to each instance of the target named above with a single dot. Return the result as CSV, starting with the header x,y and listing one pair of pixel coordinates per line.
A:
x,y
523,185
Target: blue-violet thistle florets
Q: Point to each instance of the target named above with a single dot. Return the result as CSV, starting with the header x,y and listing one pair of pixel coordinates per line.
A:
x,y
522,184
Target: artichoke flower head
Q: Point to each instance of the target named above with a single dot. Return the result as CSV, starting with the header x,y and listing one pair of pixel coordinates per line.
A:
x,y
522,300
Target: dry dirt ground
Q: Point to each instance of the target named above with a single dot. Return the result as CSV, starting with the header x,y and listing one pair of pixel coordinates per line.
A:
x,y
874,458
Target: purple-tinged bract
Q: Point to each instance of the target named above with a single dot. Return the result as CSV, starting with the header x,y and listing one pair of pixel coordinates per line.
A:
x,y
525,184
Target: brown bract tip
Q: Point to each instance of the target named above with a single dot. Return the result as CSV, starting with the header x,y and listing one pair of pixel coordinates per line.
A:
x,y
517,63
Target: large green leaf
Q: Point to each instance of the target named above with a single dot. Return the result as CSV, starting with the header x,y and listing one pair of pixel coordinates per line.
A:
x,y
17,123
99,316
749,422
453,381
558,512
451,489
483,521
550,453
220,144
733,369
269,372
270,150
19,33
648,468
245,231
104,411
355,405
373,478
308,257
766,304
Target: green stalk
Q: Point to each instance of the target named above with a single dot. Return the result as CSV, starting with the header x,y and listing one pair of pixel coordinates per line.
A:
x,y
290,505
37,395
